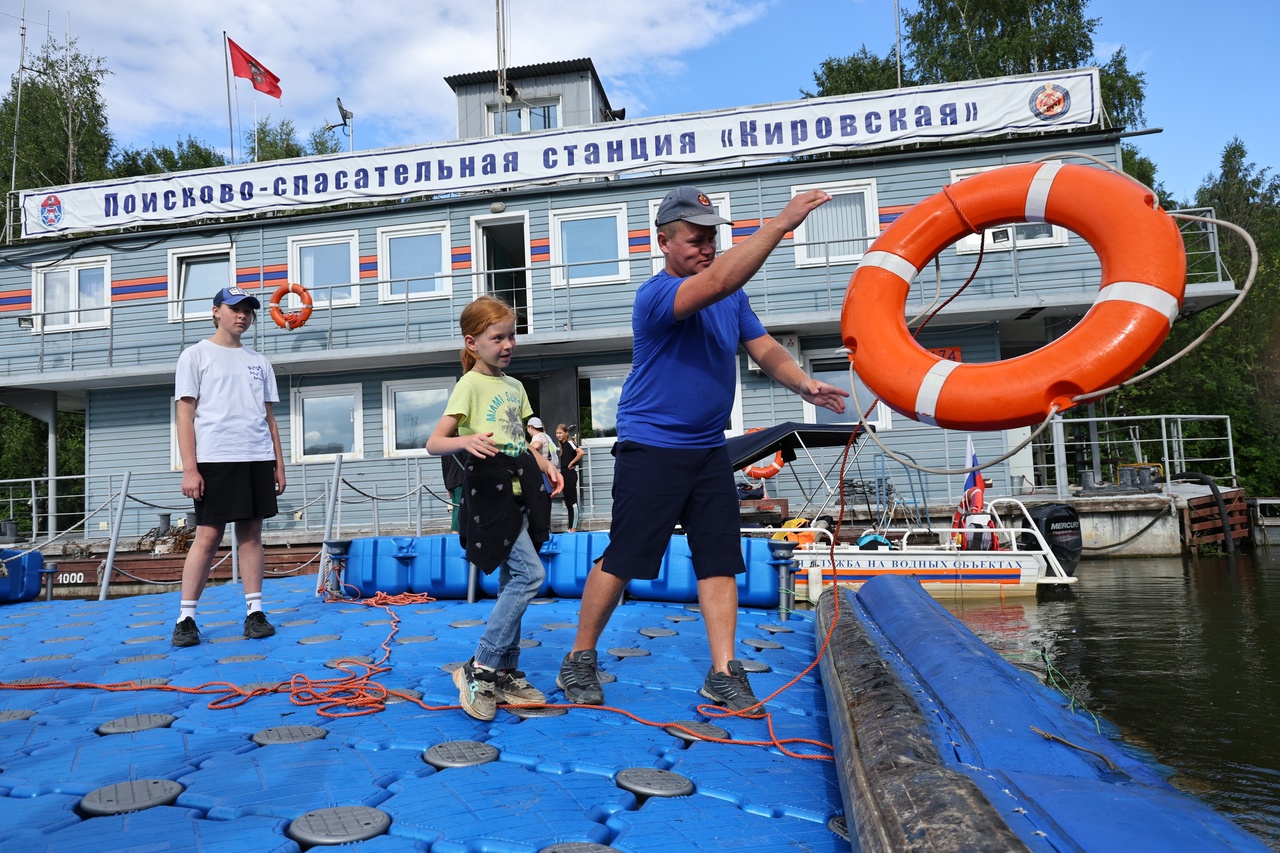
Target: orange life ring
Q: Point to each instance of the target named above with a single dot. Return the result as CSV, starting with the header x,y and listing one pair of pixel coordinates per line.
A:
x,y
767,471
291,319
1143,281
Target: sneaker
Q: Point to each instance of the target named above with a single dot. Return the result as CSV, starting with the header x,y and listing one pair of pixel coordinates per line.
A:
x,y
731,690
475,690
256,626
185,633
512,686
579,679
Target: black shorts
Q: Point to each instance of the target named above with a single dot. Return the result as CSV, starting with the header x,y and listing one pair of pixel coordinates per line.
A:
x,y
236,491
654,488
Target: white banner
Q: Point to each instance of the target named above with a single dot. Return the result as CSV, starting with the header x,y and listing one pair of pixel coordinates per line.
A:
x,y
1026,104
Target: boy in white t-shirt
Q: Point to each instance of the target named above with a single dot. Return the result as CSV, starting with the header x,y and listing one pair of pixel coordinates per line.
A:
x,y
232,466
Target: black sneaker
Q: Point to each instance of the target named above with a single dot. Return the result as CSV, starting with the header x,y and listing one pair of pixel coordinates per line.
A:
x,y
579,679
511,686
475,690
732,690
185,633
256,626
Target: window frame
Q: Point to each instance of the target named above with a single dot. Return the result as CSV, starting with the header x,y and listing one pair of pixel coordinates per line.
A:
x,y
40,324
724,233
881,417
618,370
493,109
297,426
177,302
389,389
971,243
560,274
865,186
419,229
319,299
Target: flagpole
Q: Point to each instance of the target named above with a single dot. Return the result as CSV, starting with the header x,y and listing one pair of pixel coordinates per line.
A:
x,y
226,62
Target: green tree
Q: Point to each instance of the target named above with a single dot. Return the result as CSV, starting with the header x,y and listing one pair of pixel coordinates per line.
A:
x,y
280,141
1238,367
861,72
185,155
62,135
323,140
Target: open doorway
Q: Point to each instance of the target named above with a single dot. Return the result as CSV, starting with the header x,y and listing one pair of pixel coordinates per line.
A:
x,y
499,247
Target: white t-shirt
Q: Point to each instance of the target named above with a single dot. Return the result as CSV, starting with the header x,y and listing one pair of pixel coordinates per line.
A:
x,y
231,387
541,443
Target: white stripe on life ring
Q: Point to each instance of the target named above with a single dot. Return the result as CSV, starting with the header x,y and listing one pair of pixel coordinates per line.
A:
x,y
931,388
1138,293
1038,192
890,262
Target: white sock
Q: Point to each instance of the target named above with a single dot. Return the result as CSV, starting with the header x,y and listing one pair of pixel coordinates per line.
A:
x,y
186,608
253,602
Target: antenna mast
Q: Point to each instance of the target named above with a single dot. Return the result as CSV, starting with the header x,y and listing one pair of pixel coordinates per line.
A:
x,y
17,111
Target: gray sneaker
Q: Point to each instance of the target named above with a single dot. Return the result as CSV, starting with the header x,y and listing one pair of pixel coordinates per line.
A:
x,y
579,679
475,690
185,633
512,686
732,690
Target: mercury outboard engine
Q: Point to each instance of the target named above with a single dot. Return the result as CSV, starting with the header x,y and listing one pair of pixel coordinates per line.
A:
x,y
1059,524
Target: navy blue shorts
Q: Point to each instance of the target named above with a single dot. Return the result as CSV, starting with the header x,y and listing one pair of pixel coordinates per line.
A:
x,y
654,488
236,491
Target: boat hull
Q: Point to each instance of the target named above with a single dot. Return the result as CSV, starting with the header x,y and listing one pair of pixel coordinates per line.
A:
x,y
941,573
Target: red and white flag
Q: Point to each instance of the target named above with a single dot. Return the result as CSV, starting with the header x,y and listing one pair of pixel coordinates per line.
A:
x,y
244,65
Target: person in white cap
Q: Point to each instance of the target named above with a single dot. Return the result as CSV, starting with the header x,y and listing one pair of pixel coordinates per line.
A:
x,y
232,465
688,322
541,444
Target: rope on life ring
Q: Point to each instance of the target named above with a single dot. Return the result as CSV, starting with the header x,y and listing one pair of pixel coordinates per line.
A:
x,y
290,319
767,471
1143,281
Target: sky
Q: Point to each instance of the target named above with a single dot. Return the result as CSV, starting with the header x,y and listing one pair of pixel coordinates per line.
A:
x,y
387,61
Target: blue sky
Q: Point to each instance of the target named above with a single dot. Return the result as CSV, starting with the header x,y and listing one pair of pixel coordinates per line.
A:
x,y
1206,80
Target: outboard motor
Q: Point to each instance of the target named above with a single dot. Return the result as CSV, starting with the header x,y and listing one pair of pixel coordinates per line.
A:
x,y
1059,524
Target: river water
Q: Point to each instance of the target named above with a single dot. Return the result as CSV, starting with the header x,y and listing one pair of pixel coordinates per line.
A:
x,y
1183,656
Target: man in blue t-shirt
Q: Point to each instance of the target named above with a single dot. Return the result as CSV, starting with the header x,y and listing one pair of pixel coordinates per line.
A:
x,y
672,466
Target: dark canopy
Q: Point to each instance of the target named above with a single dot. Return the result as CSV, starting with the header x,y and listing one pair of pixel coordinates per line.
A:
x,y
753,446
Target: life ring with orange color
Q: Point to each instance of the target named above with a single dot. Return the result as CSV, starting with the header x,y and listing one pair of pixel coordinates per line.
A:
x,y
766,471
290,319
1143,281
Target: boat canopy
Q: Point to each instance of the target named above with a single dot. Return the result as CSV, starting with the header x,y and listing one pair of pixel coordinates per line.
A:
x,y
787,437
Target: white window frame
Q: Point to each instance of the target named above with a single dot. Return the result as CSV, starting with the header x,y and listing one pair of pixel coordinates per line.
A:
x,y
386,235
177,304
74,265
319,297
1003,238
297,427
389,391
881,416
603,371
560,275
724,233
815,256
491,113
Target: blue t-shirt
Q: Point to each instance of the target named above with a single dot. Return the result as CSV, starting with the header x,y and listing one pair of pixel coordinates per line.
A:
x,y
683,374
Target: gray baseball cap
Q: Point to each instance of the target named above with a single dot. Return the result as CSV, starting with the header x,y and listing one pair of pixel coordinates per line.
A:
x,y
689,204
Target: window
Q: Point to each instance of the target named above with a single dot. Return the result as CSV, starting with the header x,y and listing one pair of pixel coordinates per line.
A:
x,y
834,370
599,389
195,275
1002,238
524,115
410,411
327,421
724,234
412,262
72,295
840,230
327,266
588,245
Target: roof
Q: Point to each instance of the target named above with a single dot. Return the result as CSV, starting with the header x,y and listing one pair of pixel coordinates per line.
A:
x,y
523,72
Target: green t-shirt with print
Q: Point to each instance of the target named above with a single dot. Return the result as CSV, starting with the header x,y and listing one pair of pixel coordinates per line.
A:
x,y
495,404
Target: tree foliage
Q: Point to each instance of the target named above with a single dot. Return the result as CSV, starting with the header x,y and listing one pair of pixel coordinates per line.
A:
x,y
185,155
279,141
62,133
951,40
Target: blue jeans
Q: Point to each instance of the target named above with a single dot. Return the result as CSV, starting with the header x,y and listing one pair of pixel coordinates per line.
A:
x,y
519,579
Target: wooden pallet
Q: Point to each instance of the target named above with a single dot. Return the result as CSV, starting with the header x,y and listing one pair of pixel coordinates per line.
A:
x,y
1201,525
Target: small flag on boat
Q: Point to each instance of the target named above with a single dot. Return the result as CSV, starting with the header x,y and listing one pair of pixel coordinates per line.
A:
x,y
975,477
244,65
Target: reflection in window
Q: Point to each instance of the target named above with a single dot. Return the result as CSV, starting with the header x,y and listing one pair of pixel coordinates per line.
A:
x,y
327,421
412,409
195,276
413,263
523,116
599,390
587,244
72,295
325,266
837,373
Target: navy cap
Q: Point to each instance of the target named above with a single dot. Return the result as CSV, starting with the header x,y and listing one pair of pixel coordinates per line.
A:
x,y
234,296
689,204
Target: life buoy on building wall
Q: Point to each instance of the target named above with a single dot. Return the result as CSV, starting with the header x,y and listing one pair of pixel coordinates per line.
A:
x,y
290,319
1143,281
